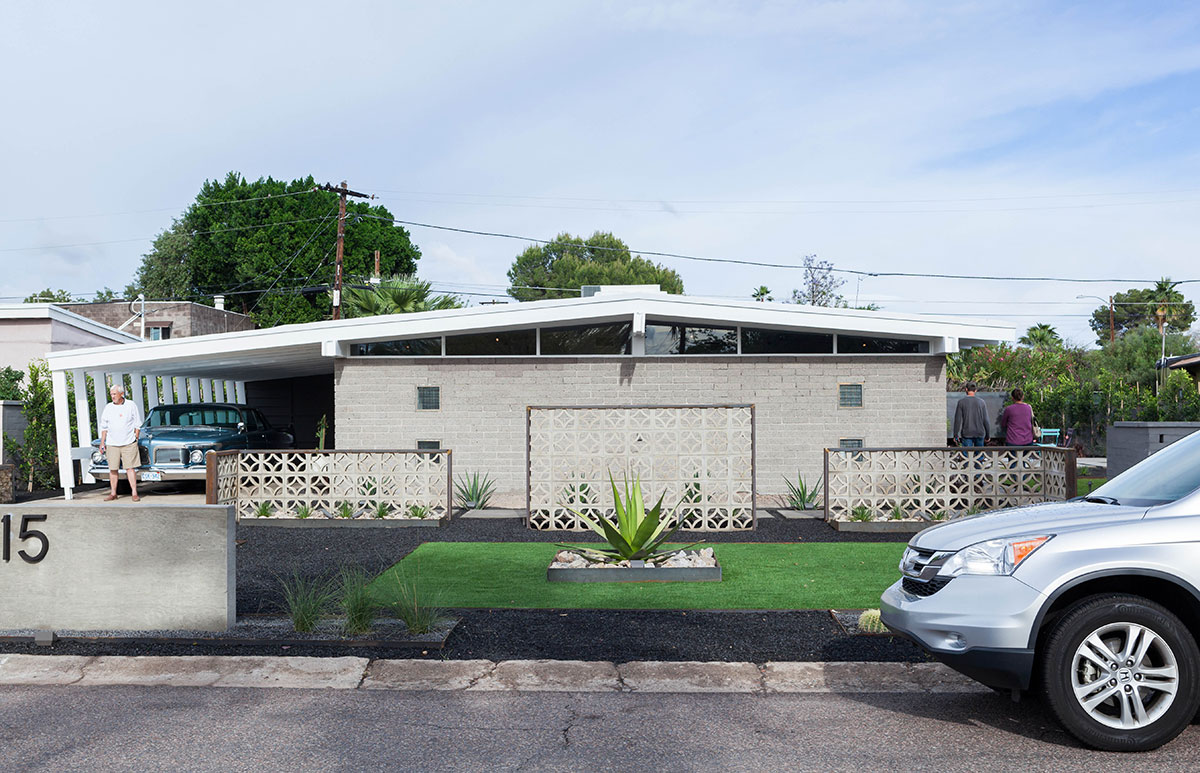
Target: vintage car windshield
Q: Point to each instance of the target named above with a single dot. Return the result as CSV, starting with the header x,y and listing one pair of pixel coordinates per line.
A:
x,y
193,416
1170,474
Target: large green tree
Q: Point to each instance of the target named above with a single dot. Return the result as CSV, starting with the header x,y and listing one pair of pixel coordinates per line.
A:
x,y
1141,307
268,246
560,268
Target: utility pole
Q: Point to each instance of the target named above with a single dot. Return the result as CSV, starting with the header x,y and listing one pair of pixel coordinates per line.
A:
x,y
342,191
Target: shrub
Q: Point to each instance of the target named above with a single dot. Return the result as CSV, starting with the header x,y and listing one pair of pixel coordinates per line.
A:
x,y
358,604
800,496
474,491
307,600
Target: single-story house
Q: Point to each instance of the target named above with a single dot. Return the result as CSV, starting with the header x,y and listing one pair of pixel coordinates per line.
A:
x,y
462,379
165,319
1190,363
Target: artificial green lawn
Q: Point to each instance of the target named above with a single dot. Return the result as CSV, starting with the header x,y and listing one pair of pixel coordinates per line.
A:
x,y
819,575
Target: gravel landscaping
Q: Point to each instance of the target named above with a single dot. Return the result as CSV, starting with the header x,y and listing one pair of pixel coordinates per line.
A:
x,y
266,554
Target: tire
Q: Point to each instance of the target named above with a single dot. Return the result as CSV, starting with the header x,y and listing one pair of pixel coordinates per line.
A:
x,y
1130,707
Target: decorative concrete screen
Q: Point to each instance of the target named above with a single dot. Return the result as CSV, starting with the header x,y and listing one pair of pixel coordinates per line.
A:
x,y
322,481
699,457
934,483
117,567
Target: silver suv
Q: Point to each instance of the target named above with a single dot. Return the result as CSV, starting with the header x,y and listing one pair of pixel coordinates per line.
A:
x,y
1095,602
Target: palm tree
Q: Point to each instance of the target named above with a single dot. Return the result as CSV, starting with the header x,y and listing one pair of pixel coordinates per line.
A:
x,y
404,294
1167,301
762,293
1041,336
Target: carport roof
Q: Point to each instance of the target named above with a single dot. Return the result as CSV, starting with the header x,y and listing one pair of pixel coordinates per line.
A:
x,y
310,349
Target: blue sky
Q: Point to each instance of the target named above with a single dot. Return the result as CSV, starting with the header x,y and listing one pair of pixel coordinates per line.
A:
x,y
1005,138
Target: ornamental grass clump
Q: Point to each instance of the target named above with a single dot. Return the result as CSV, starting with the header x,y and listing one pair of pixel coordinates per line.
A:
x,y
413,605
474,491
307,599
800,496
636,534
358,603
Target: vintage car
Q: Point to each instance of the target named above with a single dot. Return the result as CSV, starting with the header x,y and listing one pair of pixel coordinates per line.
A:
x,y
174,438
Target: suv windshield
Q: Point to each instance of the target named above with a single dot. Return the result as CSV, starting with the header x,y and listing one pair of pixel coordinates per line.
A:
x,y
1170,474
193,416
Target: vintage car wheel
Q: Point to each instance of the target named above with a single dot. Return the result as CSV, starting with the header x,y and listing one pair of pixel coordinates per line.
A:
x,y
1122,673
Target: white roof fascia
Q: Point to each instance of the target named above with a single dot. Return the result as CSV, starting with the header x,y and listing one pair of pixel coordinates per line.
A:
x,y
330,336
59,314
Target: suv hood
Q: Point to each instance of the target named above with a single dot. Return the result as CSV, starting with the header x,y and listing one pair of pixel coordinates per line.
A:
x,y
206,435
1049,518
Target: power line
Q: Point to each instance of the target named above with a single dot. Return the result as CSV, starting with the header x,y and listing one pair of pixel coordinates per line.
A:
x,y
154,211
150,238
764,264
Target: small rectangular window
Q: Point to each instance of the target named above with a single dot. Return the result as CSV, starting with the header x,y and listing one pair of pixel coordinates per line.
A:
x,y
429,398
500,343
850,395
409,347
869,345
764,341
158,333
678,338
850,442
429,445
587,339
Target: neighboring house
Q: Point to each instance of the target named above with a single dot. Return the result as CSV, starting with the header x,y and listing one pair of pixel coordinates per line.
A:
x,y
463,378
1186,362
29,331
164,319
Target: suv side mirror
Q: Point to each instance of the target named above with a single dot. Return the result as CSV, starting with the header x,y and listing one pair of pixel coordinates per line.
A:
x,y
242,427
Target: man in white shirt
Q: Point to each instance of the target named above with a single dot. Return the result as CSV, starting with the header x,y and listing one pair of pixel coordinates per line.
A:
x,y
119,426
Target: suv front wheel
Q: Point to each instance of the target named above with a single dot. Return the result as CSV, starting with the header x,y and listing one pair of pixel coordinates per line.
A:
x,y
1122,673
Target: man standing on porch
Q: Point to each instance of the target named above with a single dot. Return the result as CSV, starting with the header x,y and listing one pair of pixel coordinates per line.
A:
x,y
119,426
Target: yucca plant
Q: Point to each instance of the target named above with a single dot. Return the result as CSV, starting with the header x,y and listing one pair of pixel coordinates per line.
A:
x,y
800,496
637,533
304,511
263,510
474,491
345,510
418,511
862,513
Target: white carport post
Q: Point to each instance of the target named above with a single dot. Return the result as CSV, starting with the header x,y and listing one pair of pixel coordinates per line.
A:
x,y
135,389
204,388
240,390
151,392
171,386
231,392
83,420
193,385
62,431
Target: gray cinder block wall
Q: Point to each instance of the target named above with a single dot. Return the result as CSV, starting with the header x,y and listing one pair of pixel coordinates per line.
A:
x,y
1129,442
483,401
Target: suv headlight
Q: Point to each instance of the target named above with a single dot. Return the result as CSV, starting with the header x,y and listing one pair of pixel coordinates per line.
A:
x,y
994,557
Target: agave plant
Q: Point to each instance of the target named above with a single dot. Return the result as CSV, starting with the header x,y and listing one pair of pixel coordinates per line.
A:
x,y
474,491
800,495
636,534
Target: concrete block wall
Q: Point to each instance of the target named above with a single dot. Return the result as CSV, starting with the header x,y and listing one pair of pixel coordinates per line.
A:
x,y
1129,442
483,400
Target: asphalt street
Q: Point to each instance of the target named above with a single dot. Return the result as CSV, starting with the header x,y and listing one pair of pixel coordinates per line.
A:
x,y
203,729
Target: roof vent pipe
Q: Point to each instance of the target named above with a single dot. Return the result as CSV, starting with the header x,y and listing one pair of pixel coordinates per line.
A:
x,y
219,302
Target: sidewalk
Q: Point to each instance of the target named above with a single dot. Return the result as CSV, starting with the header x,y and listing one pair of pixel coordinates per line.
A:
x,y
350,673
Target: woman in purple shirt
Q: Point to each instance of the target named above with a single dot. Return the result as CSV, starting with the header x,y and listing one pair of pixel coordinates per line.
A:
x,y
1017,421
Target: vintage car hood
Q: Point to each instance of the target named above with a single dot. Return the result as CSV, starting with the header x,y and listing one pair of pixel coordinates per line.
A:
x,y
188,435
1046,518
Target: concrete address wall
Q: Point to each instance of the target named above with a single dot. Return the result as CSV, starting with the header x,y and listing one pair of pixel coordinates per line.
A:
x,y
483,401
121,567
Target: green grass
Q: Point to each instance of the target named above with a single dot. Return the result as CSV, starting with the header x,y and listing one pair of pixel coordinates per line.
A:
x,y
1088,485
843,575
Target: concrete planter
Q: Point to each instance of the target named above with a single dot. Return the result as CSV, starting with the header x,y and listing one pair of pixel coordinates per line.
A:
x,y
883,527
637,574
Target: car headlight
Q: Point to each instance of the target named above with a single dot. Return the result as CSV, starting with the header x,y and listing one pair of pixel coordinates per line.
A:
x,y
97,457
994,557
196,456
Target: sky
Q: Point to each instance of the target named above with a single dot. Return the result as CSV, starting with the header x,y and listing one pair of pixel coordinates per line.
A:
x,y
1003,139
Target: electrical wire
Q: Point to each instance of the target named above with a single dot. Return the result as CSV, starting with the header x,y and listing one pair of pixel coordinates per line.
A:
x,y
154,211
151,238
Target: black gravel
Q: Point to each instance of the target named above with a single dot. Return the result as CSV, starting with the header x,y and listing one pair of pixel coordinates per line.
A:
x,y
266,554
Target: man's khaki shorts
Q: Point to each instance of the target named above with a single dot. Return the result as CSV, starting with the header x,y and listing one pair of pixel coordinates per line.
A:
x,y
123,457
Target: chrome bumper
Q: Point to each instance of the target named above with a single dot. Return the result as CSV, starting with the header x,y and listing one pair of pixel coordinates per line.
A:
x,y
198,472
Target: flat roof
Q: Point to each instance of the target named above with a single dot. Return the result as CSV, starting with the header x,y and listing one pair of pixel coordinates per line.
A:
x,y
310,348
56,313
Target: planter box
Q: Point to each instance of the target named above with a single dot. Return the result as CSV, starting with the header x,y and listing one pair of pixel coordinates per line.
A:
x,y
345,523
637,574
883,527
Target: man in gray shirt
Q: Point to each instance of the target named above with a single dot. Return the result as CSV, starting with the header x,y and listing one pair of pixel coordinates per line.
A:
x,y
971,424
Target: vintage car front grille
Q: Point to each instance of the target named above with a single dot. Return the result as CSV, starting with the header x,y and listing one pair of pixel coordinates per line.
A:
x,y
168,456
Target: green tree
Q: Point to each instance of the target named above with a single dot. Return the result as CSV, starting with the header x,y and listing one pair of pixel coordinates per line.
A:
x,y
762,293
268,246
1041,336
570,262
52,296
10,383
1135,353
105,295
1140,308
395,295
37,455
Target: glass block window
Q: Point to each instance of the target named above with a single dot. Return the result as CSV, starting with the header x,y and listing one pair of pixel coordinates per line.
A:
x,y
500,343
429,398
870,345
762,341
587,339
850,442
412,347
850,395
678,338
429,445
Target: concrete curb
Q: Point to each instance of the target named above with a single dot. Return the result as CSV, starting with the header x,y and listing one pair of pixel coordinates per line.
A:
x,y
349,673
